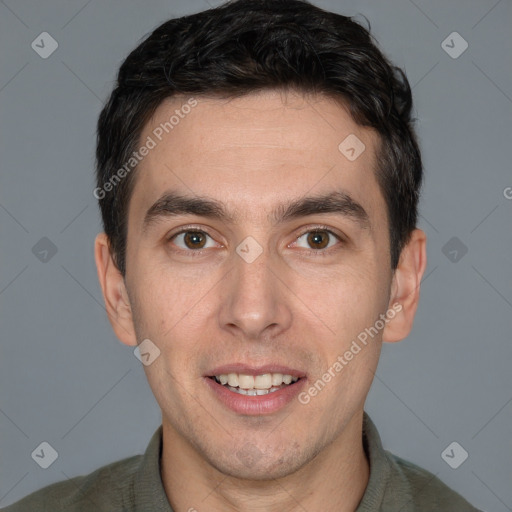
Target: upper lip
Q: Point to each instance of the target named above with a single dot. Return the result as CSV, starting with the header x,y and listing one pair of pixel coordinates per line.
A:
x,y
247,369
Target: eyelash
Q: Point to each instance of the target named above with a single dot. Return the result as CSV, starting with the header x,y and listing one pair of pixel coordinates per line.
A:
x,y
321,252
315,252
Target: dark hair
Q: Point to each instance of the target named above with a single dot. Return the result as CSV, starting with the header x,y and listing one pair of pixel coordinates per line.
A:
x,y
246,46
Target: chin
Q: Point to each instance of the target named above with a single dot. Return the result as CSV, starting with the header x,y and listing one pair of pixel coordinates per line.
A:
x,y
248,462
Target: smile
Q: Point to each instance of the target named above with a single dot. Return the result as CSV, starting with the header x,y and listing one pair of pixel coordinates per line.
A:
x,y
256,385
255,394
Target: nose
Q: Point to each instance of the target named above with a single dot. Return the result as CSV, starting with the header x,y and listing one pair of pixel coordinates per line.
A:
x,y
256,303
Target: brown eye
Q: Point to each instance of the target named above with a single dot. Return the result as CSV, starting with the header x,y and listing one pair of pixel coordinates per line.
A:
x,y
318,239
194,239
190,240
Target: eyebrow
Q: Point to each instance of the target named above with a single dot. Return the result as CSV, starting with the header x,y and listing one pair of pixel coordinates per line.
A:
x,y
172,204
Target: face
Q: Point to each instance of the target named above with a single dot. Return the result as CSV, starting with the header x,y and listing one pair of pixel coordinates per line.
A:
x,y
255,284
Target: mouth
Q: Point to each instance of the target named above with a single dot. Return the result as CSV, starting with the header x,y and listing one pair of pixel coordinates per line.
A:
x,y
250,391
254,385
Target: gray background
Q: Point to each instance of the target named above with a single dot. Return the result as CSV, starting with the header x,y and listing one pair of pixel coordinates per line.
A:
x,y
64,377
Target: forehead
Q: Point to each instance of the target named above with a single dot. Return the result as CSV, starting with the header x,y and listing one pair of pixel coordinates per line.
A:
x,y
254,152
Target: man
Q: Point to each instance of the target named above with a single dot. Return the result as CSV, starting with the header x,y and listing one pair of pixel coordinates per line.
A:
x,y
258,177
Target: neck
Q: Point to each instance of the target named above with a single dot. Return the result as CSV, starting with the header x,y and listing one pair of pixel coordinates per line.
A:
x,y
333,481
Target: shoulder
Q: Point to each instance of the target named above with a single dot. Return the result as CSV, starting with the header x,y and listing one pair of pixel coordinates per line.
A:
x,y
107,488
426,492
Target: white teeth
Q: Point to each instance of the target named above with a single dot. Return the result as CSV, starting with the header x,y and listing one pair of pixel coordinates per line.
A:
x,y
232,379
253,392
263,381
245,381
277,379
255,385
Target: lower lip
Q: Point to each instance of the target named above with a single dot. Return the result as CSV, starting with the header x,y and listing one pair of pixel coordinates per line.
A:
x,y
255,405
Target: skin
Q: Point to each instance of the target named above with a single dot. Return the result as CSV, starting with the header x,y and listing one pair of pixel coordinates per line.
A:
x,y
289,306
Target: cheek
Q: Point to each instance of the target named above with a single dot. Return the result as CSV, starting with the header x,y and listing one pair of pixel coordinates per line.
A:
x,y
346,298
169,311
176,312
168,298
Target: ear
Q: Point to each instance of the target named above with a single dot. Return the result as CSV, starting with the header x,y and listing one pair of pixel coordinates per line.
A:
x,y
405,287
117,303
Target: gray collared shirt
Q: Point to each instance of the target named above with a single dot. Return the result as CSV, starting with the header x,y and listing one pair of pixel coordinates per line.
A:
x,y
135,485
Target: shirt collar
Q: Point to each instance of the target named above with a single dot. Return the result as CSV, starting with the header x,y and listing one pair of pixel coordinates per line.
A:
x,y
149,493
380,468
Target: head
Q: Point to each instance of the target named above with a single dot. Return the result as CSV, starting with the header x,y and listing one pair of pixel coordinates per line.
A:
x,y
241,230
